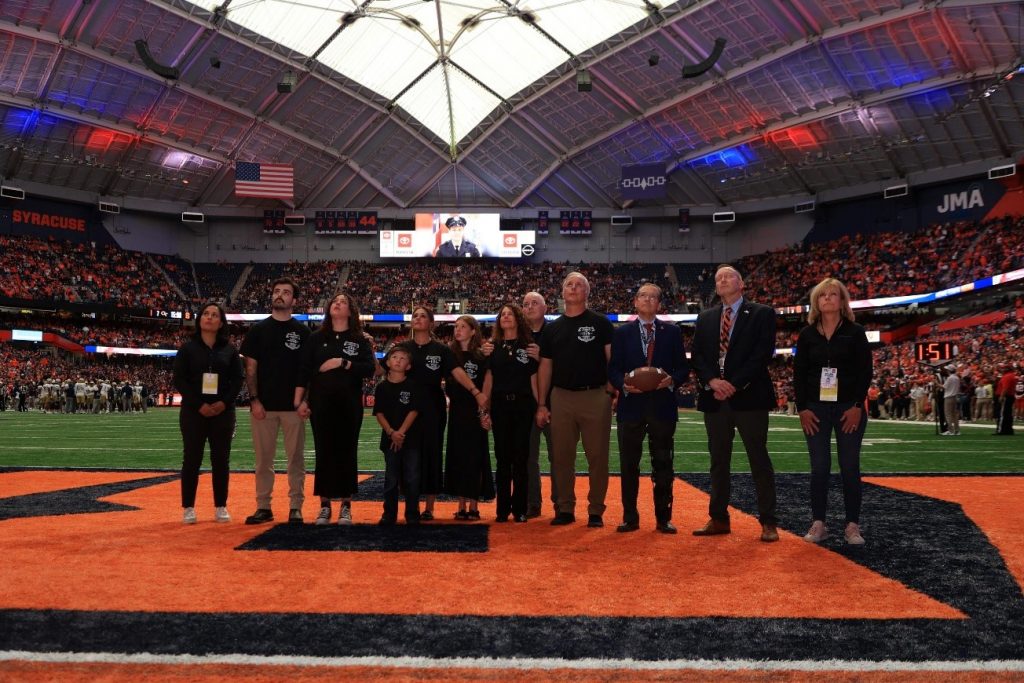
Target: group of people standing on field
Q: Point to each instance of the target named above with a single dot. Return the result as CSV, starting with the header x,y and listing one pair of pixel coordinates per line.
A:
x,y
562,380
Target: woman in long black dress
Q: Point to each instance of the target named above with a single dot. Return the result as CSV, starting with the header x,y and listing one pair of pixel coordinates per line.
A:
x,y
432,362
467,467
513,404
337,359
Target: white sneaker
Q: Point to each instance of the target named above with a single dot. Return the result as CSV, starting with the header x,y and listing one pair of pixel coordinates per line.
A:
x,y
947,433
817,533
221,514
324,517
853,536
189,517
345,516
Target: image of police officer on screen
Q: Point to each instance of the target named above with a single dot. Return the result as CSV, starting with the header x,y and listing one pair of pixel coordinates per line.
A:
x,y
456,246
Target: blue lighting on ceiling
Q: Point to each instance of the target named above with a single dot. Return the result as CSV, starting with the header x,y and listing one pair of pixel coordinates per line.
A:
x,y
25,121
734,157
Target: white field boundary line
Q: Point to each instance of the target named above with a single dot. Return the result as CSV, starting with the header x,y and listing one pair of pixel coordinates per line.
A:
x,y
516,663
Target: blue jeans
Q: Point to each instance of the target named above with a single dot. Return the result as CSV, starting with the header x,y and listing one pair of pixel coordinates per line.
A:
x,y
848,446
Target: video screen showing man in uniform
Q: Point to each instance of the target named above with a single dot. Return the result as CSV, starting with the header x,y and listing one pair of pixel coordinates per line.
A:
x,y
456,245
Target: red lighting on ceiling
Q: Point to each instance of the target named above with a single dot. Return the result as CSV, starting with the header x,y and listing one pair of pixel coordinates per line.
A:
x,y
799,137
100,140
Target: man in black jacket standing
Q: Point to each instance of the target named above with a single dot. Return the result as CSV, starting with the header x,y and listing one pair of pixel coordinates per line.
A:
x,y
732,346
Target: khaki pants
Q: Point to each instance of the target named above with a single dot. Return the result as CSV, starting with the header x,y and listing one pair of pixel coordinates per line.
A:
x,y
264,441
575,413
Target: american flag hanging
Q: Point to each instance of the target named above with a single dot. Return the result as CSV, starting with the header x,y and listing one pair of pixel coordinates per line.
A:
x,y
274,181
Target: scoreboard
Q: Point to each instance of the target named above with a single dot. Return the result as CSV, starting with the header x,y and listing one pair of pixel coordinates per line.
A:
x,y
345,222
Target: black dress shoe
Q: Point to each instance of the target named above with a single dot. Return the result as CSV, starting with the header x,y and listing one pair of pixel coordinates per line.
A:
x,y
667,528
295,516
627,526
532,513
427,516
520,519
595,521
261,516
501,519
563,518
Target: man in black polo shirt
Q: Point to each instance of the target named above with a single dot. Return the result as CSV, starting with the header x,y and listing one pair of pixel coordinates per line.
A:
x,y
574,352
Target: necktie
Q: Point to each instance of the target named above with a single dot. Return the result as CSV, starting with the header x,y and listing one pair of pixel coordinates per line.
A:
x,y
456,251
723,343
650,342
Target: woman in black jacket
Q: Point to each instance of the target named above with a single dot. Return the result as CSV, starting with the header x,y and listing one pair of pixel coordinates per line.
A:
x,y
208,374
831,376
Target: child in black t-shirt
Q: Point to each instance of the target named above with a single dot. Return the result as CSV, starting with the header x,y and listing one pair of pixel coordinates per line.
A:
x,y
396,406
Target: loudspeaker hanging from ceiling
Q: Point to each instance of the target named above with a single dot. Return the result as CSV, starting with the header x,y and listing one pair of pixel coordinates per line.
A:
x,y
171,72
694,70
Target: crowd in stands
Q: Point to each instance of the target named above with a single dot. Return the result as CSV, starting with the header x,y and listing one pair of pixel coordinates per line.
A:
x,y
888,263
317,280
488,285
38,269
85,332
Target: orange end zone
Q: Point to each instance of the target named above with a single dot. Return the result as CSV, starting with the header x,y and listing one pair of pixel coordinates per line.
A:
x,y
146,560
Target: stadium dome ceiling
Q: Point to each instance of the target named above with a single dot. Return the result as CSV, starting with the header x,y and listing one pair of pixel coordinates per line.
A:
x,y
473,103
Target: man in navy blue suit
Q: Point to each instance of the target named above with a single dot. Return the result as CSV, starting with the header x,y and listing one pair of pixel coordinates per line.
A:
x,y
647,342
732,346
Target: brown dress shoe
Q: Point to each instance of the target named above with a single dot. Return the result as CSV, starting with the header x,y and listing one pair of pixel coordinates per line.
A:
x,y
714,527
769,534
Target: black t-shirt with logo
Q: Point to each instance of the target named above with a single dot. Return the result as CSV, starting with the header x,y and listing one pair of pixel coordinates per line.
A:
x,y
431,363
511,369
395,400
475,365
276,346
575,346
339,383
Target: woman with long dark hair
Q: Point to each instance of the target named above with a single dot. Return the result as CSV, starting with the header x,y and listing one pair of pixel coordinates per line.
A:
x,y
432,362
338,357
467,466
208,374
513,404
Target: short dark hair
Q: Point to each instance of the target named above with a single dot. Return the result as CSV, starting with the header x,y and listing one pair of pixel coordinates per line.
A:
x,y
286,281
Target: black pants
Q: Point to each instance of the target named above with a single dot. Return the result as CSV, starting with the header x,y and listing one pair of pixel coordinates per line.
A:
x,y
511,420
660,434
1004,415
336,422
196,430
402,470
753,428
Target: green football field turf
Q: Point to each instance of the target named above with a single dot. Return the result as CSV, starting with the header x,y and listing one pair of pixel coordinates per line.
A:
x,y
152,441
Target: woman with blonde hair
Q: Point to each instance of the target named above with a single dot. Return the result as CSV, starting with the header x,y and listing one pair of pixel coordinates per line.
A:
x,y
831,375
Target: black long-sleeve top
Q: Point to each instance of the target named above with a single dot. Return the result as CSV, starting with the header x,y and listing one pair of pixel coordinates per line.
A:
x,y
195,358
325,344
847,351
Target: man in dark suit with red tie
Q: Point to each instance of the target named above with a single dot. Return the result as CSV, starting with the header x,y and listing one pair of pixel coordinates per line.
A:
x,y
655,343
732,346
